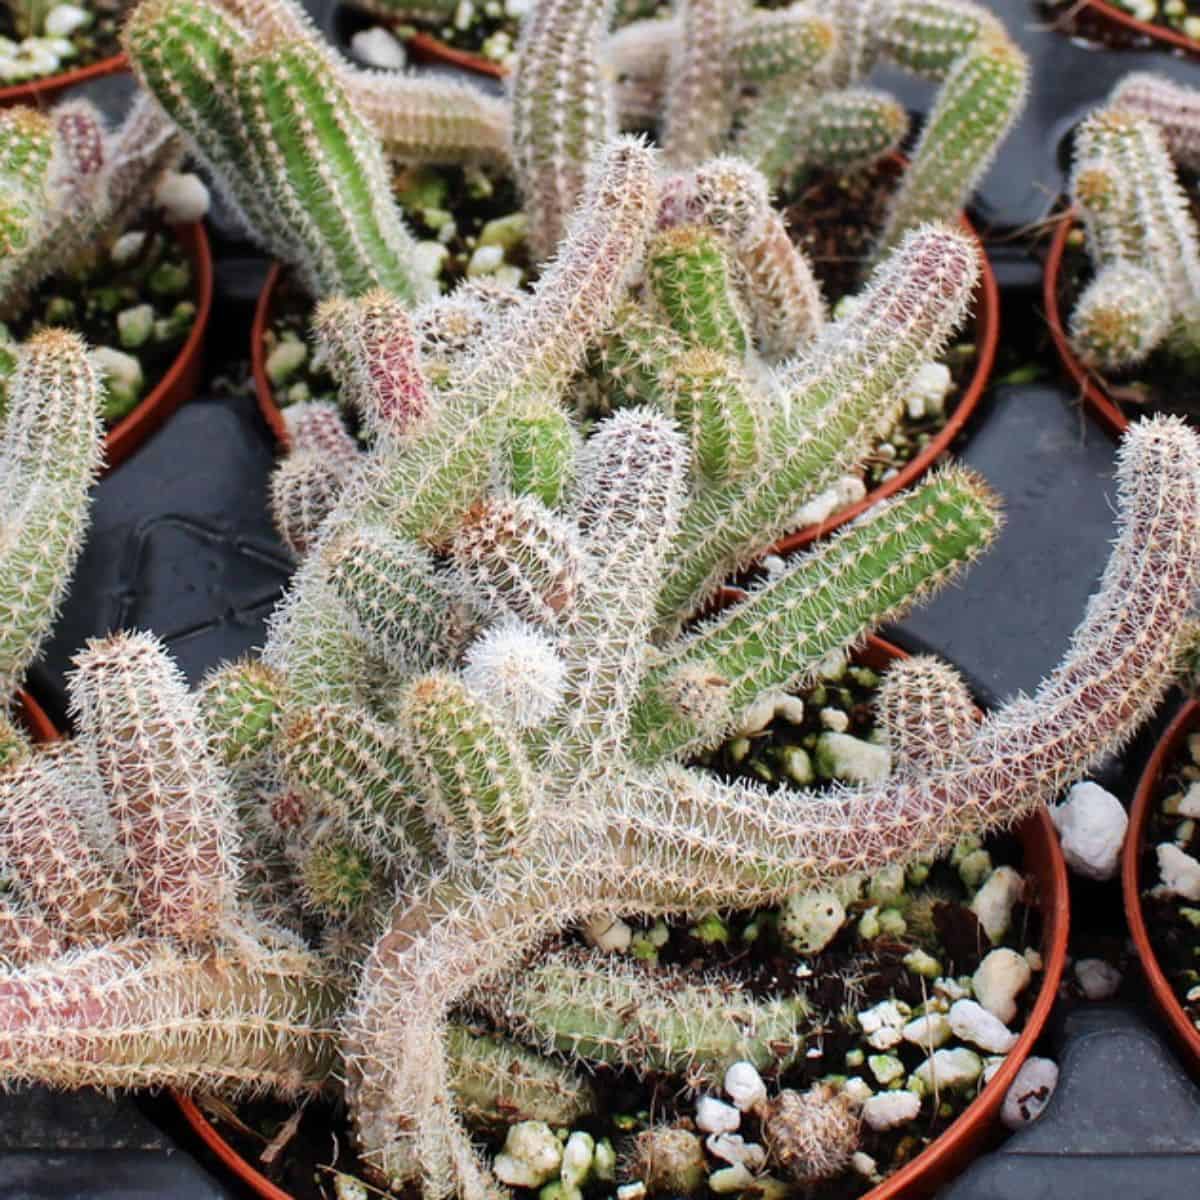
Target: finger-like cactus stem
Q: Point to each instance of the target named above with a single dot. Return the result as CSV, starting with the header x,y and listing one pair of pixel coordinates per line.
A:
x,y
496,1083
634,356
604,1011
925,712
353,769
689,277
1173,107
405,605
787,42
1120,318
778,636
50,452
142,1013
843,388
929,36
538,456
698,96
520,558
709,397
173,810
562,111
305,489
241,704
975,108
45,801
372,351
477,786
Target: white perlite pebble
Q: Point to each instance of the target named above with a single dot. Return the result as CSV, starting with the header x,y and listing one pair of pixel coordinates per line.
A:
x,y
182,197
612,937
852,760
889,1109
730,1179
127,247
882,1024
1179,872
377,47
577,1159
926,394
1097,979
733,1148
744,1086
1189,803
848,490
973,1023
999,980
994,902
835,719
64,19
950,1070
484,260
1091,825
861,1163
530,1156
857,1090
1030,1092
631,1191
929,1032
715,1116
809,921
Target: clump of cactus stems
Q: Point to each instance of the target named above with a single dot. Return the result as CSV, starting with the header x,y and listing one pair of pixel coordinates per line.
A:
x,y
70,186
475,703
1140,233
789,94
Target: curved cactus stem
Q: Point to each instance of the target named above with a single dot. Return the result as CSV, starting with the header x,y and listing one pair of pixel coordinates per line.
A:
x,y
1173,107
562,111
173,810
850,375
601,1010
1120,318
976,106
241,707
699,98
778,636
928,37
50,452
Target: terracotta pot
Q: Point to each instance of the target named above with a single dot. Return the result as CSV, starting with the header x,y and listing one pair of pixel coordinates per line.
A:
x,y
974,1127
40,92
33,717
1092,387
987,337
1186,721
428,49
179,383
1163,34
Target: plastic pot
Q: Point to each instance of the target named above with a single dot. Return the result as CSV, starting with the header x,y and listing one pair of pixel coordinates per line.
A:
x,y
987,337
180,381
1163,34
40,92
1186,1035
975,1126
1092,387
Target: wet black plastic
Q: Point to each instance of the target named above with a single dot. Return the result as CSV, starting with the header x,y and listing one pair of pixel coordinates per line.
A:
x,y
181,544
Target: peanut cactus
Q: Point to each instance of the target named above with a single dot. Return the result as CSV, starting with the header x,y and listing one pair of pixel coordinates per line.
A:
x,y
71,186
1141,235
50,451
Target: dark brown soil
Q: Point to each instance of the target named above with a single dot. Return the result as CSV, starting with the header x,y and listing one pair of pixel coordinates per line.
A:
x,y
89,299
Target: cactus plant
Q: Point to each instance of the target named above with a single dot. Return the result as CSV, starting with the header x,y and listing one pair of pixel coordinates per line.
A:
x,y
71,186
484,700
1140,233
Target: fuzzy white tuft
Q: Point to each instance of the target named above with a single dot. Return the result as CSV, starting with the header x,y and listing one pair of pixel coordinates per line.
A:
x,y
517,668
